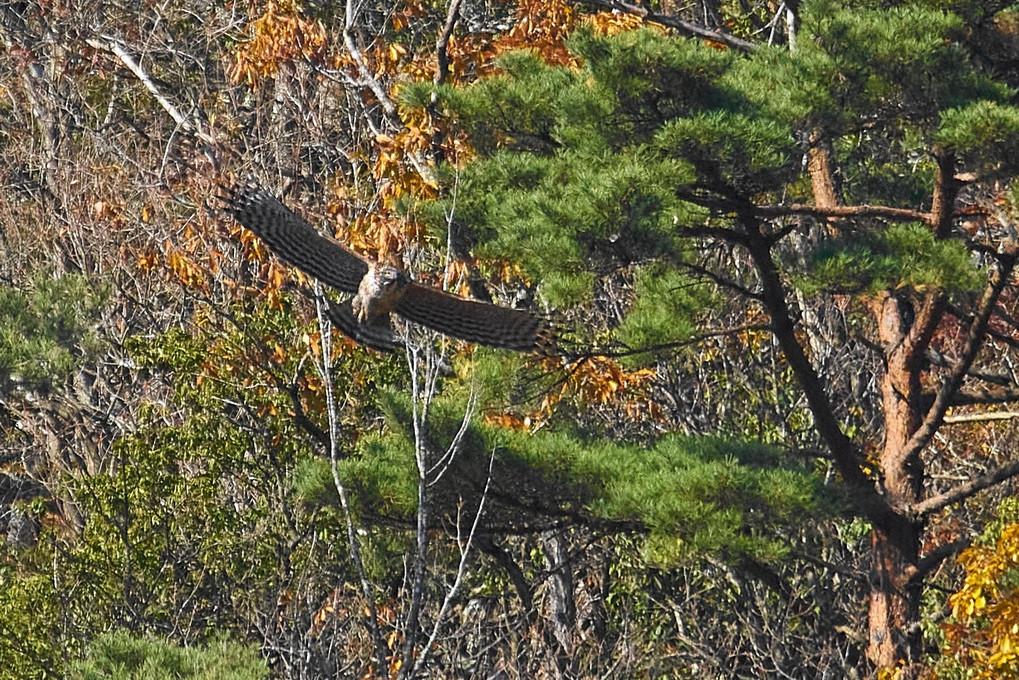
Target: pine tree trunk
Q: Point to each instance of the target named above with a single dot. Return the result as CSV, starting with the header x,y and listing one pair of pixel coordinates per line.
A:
x,y
894,614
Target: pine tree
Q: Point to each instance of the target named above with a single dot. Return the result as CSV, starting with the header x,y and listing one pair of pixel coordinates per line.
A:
x,y
869,172
122,656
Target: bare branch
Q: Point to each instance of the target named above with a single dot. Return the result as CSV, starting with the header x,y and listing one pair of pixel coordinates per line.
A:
x,y
516,575
938,359
442,43
791,22
325,372
934,558
367,78
653,17
421,398
436,472
1004,339
720,280
975,397
454,589
964,491
112,45
843,453
1007,318
373,84
981,417
721,233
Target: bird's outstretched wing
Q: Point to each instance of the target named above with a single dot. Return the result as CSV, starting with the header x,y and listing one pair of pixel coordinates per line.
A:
x,y
292,239
479,322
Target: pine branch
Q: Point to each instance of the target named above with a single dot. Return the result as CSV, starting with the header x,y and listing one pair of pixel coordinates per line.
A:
x,y
946,189
920,334
820,162
721,281
700,337
882,211
981,397
827,424
943,400
711,198
670,21
934,558
964,491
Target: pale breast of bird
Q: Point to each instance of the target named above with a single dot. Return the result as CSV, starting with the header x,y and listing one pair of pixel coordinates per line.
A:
x,y
379,292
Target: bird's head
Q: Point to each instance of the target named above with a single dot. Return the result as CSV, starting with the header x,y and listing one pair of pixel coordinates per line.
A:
x,y
390,277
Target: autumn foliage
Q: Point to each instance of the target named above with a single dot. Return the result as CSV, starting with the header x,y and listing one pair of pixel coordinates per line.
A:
x,y
777,242
983,635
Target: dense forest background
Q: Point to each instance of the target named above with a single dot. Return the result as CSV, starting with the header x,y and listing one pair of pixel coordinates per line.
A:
x,y
775,440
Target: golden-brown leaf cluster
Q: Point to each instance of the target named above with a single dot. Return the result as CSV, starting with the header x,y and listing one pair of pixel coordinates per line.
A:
x,y
596,382
282,35
984,632
544,26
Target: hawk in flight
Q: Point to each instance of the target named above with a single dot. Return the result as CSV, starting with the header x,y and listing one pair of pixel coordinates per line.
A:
x,y
379,290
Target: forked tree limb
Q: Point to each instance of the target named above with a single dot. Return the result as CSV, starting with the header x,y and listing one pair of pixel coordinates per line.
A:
x,y
932,310
372,83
